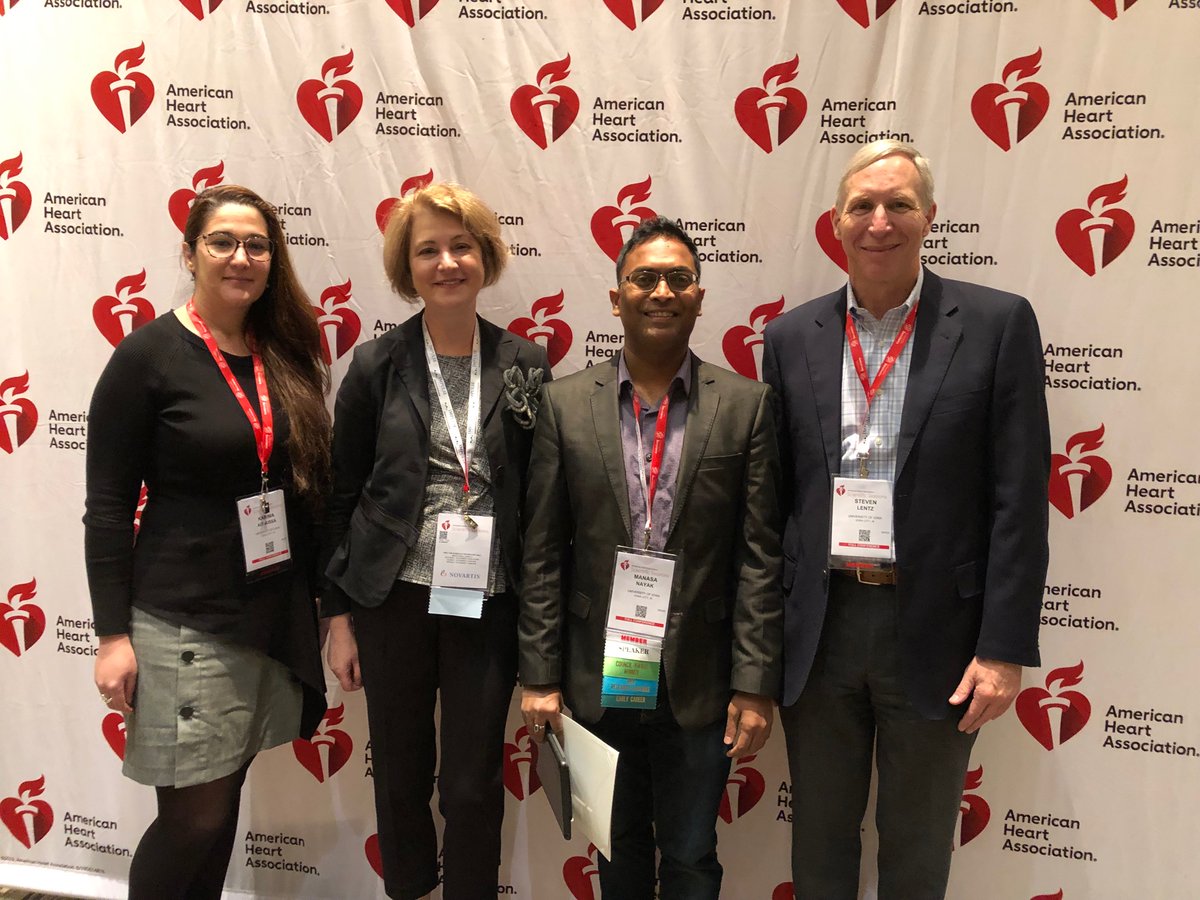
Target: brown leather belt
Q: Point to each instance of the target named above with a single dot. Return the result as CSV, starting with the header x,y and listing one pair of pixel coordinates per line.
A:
x,y
874,577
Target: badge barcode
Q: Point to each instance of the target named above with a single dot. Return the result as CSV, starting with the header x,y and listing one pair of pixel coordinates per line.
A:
x,y
864,534
270,546
640,612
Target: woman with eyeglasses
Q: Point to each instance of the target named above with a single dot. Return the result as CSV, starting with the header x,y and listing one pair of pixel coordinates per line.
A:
x,y
432,434
205,613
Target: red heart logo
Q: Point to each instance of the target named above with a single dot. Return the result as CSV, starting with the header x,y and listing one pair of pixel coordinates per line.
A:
x,y
608,222
404,9
113,728
119,316
201,8
1008,114
626,10
22,622
340,326
520,765
974,809
784,891
15,197
742,344
1111,7
860,10
123,96
27,819
529,100
180,202
1099,233
374,857
758,108
327,105
553,334
329,748
18,416
582,876
749,785
829,242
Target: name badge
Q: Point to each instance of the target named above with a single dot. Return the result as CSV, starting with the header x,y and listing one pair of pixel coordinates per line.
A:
x,y
641,592
263,518
462,555
860,532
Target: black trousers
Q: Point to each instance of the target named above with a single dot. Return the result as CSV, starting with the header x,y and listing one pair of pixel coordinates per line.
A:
x,y
408,658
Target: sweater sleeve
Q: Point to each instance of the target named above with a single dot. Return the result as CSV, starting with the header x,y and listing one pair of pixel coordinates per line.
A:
x,y
120,443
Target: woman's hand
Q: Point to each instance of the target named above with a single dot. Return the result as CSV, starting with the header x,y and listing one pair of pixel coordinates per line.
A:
x,y
341,652
542,705
116,672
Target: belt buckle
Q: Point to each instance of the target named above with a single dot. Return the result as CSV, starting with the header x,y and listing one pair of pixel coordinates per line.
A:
x,y
875,577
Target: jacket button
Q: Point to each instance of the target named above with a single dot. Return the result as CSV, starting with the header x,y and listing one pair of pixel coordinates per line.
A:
x,y
187,656
186,712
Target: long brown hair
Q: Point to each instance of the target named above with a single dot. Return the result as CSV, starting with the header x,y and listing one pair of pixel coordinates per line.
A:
x,y
282,326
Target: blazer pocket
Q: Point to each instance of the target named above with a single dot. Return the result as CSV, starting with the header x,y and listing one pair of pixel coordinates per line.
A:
x,y
718,463
579,604
967,580
956,403
372,512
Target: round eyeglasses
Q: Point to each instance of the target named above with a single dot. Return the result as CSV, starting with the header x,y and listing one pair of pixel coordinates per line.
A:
x,y
222,245
646,280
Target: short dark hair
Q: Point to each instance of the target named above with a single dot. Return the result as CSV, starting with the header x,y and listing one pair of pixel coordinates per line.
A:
x,y
656,227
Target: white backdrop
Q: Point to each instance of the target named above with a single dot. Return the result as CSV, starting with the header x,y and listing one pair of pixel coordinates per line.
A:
x,y
1059,131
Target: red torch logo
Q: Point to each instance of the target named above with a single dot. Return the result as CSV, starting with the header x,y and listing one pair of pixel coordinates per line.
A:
x,y
384,209
1053,715
632,13
18,415
1078,478
742,344
582,876
1113,8
771,114
1008,110
124,95
113,729
520,765
330,103
22,622
553,334
743,789
328,750
201,8
412,12
973,811
611,225
1094,236
866,12
27,818
119,314
546,109
15,197
340,325
180,202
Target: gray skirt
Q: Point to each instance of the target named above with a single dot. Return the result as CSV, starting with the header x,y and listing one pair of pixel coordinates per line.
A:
x,y
203,706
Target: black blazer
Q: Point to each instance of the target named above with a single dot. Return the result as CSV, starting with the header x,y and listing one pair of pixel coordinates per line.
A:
x,y
972,468
381,458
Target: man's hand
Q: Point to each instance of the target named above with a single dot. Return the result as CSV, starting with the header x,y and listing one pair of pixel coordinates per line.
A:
x,y
341,652
116,672
748,724
991,686
542,705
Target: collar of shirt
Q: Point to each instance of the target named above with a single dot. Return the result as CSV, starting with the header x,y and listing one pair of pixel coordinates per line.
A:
x,y
682,379
862,316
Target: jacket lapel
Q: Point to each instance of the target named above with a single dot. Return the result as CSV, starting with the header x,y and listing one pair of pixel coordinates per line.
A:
x,y
607,422
934,341
408,356
703,402
824,346
497,352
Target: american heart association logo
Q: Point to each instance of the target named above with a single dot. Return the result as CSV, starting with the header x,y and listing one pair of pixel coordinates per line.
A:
x,y
742,344
328,750
201,8
631,13
180,202
330,103
1078,478
373,854
1008,110
410,15
1113,8
18,415
745,783
1094,236
15,197
27,819
828,241
340,325
611,224
414,183
771,114
581,875
543,111
973,811
119,314
1071,709
624,565
113,729
124,95
520,765
864,12
553,334
22,622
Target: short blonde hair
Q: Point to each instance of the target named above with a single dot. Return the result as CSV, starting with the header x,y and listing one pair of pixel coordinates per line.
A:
x,y
477,217
872,153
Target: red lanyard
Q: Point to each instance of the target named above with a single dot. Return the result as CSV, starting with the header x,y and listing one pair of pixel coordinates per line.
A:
x,y
264,431
860,362
649,486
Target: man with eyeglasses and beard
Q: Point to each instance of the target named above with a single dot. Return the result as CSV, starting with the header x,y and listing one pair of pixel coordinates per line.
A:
x,y
651,603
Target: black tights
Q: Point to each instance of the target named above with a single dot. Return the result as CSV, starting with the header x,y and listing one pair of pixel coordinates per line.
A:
x,y
185,852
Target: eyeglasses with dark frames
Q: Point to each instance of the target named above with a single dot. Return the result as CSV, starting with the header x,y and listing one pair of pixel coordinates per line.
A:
x,y
646,280
222,245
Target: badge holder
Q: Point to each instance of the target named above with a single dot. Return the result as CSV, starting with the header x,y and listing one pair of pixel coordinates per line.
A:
x,y
462,555
860,525
638,610
263,521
